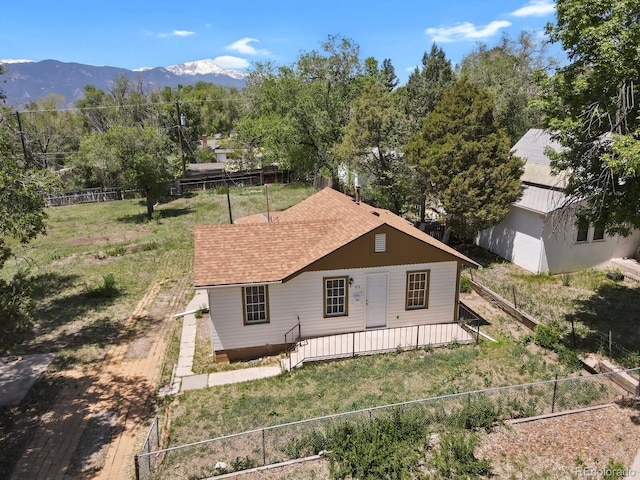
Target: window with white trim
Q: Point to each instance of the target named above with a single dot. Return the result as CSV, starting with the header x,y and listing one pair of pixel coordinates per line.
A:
x,y
255,302
381,242
417,290
335,296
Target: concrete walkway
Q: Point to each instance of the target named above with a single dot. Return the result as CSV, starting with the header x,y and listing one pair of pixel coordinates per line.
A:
x,y
185,379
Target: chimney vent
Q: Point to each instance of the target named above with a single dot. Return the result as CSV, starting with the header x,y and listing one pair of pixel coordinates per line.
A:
x,y
358,194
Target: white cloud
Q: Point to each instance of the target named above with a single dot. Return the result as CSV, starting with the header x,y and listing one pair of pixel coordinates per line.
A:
x,y
242,46
466,31
183,33
536,8
231,63
175,33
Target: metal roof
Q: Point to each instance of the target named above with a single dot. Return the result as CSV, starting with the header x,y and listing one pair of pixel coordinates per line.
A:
x,y
541,200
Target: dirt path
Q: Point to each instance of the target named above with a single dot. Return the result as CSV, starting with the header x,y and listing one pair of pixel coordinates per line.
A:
x,y
97,422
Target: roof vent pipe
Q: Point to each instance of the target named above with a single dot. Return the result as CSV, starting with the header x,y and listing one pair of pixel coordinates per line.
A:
x,y
358,194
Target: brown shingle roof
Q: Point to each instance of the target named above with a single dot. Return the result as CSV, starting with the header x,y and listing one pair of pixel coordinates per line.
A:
x,y
255,251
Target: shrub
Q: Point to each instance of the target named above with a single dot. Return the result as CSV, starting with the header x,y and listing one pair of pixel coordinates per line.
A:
x,y
117,251
455,458
547,336
478,412
311,443
388,447
614,470
108,288
465,285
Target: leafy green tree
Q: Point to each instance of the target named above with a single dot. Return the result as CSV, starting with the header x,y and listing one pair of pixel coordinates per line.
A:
x,y
426,85
50,133
312,98
593,112
372,145
468,173
512,71
132,157
22,218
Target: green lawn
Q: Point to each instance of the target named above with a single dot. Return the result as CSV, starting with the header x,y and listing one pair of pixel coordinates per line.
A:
x,y
596,304
78,313
86,243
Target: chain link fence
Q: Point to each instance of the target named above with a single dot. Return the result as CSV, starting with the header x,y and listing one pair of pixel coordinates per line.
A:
x,y
469,410
572,334
146,462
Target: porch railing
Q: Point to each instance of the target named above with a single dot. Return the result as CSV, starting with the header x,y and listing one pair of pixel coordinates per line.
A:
x,y
291,345
367,342
469,320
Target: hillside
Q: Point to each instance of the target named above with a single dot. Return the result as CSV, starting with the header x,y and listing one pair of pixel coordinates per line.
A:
x,y
25,82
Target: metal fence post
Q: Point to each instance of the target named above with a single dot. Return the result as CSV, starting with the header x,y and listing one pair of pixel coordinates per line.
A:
x,y
553,400
136,462
513,289
157,432
264,449
610,341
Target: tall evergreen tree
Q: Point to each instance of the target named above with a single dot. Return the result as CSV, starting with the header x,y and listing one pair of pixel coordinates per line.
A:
x,y
426,85
469,175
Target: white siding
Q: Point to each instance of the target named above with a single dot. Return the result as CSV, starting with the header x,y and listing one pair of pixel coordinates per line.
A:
x,y
302,297
563,254
518,238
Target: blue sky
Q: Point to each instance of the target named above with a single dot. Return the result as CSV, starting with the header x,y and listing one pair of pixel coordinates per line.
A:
x,y
133,34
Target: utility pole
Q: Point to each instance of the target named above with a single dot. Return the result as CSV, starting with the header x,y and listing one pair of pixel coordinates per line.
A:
x,y
24,147
180,139
229,202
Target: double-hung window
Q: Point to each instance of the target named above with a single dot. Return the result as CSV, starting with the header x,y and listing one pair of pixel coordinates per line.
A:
x,y
255,300
417,290
335,296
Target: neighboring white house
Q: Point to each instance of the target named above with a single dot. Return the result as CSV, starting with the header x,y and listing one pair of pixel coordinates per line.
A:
x,y
331,263
538,234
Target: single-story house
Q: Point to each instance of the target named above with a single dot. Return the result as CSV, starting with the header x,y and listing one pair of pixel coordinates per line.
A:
x,y
332,263
542,236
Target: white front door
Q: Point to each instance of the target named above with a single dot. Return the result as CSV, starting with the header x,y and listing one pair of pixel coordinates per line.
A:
x,y
376,312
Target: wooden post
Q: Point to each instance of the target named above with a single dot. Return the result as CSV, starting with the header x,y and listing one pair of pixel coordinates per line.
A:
x,y
555,389
229,202
184,165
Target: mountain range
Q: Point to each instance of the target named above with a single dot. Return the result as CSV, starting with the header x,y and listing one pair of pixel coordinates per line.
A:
x,y
25,81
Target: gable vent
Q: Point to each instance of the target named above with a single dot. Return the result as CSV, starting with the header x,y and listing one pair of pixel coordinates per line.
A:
x,y
381,242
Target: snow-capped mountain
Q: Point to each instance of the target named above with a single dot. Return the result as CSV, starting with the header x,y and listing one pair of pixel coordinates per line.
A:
x,y
25,81
203,67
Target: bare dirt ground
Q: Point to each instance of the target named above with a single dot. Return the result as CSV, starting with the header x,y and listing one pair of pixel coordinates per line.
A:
x,y
96,425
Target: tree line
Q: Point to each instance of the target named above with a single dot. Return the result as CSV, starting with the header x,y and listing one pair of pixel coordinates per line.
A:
x,y
436,147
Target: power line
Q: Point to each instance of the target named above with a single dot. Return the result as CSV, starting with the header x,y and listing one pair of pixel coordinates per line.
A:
x,y
130,105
